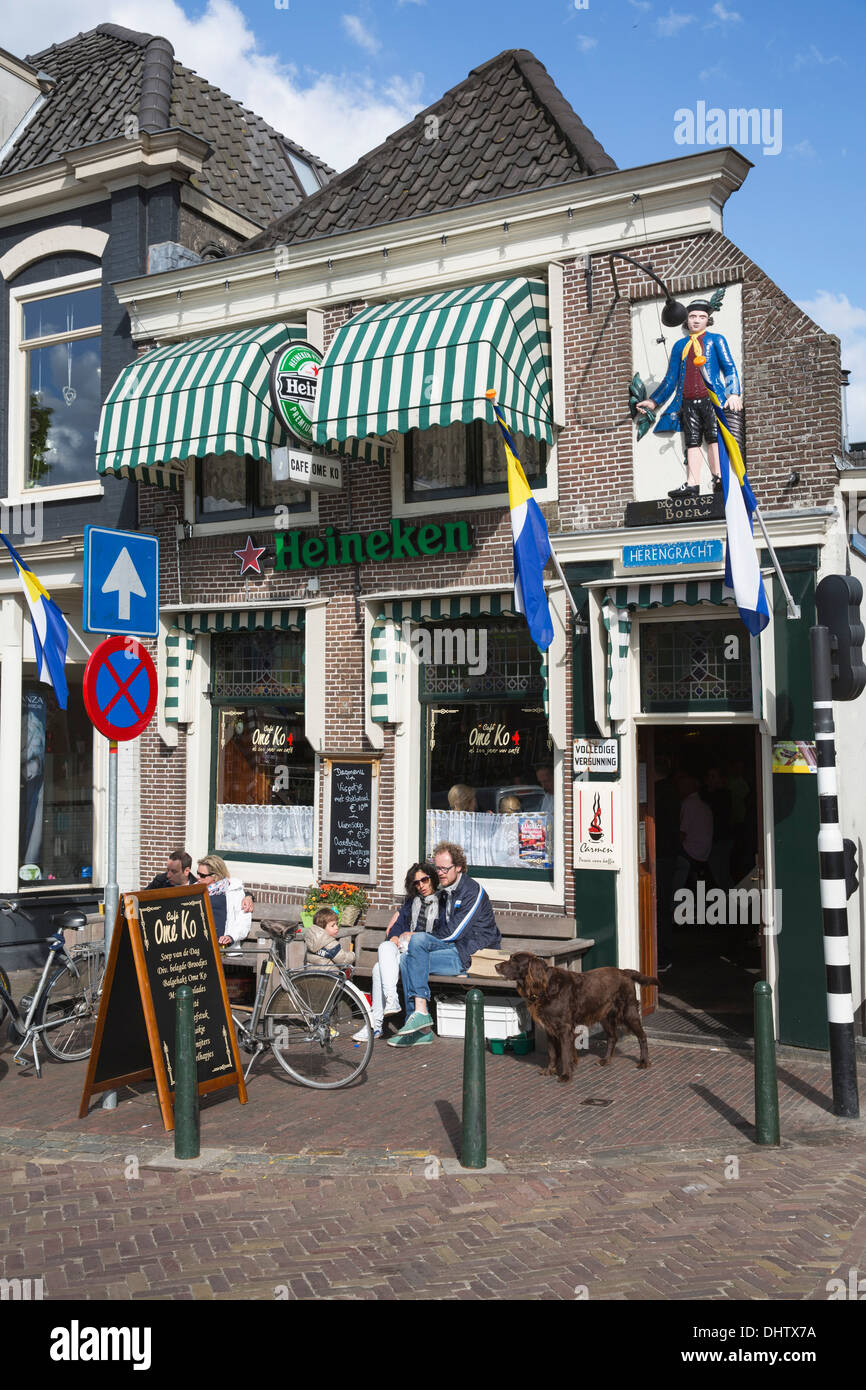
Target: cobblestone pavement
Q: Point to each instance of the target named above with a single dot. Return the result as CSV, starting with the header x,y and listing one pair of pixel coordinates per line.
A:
x,y
660,1193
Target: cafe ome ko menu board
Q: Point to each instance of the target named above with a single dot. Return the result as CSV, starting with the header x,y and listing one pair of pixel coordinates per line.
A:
x,y
351,810
162,939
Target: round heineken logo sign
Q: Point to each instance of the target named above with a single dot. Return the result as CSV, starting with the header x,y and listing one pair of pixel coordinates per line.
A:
x,y
294,383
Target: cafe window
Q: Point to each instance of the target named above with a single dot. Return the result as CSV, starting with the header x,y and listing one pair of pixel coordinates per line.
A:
x,y
695,666
231,488
55,825
465,461
263,763
488,755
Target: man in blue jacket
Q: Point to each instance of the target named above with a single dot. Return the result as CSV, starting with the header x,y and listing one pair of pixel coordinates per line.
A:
x,y
466,924
697,362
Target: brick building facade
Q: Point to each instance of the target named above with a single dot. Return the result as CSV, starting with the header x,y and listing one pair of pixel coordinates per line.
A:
x,y
314,270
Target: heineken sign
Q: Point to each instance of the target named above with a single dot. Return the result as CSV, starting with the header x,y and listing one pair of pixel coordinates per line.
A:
x,y
294,382
398,541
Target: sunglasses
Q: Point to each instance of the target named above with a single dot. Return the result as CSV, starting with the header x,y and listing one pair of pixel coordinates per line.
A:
x,y
425,878
207,875
444,868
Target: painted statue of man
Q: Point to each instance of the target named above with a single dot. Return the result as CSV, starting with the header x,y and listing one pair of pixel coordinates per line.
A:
x,y
697,362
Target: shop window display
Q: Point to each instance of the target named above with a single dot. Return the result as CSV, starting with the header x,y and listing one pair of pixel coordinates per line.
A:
x,y
489,755
264,765
55,827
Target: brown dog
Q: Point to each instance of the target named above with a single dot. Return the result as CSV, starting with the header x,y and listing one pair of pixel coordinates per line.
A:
x,y
561,1000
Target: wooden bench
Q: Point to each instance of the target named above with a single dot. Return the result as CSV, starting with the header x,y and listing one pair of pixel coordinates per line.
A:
x,y
552,938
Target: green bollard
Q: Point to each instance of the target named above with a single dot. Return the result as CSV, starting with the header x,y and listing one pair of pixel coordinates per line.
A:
x,y
186,1116
474,1084
766,1085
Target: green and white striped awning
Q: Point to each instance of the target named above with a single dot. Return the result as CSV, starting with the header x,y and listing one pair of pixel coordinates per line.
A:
x,y
242,620
177,701
388,641
202,396
429,360
617,604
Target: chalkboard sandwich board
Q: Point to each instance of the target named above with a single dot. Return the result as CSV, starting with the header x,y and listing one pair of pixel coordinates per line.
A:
x,y
351,810
161,940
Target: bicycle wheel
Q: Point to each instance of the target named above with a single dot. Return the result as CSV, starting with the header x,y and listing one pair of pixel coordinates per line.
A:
x,y
5,994
312,1025
67,1014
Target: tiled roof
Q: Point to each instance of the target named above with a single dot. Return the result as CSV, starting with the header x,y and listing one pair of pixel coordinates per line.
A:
x,y
506,129
100,79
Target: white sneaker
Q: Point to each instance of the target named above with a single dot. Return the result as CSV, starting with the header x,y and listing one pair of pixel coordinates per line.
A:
x,y
361,1035
392,1006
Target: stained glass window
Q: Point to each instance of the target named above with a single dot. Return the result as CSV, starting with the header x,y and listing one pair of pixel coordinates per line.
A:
x,y
693,665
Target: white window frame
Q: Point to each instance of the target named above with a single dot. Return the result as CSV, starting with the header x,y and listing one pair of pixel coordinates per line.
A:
x,y
19,413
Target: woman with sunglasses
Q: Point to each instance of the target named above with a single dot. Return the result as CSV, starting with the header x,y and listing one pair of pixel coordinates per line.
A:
x,y
419,912
231,905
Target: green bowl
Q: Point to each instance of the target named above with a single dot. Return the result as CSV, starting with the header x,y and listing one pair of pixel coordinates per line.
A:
x,y
497,1045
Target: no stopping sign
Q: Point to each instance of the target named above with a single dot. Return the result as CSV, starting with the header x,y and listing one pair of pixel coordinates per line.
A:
x,y
120,688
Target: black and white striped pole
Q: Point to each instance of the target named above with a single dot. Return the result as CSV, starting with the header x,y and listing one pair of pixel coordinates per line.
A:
x,y
834,902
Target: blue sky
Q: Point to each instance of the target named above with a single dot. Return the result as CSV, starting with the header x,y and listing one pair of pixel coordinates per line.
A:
x,y
339,75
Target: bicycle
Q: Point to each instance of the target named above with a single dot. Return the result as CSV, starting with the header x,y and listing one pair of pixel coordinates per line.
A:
x,y
308,1018
62,1011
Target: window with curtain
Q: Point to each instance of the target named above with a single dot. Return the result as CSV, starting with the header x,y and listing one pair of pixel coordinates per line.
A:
x,y
231,488
263,763
465,461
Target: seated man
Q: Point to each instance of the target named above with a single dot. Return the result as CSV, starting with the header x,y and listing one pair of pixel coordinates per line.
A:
x,y
465,924
177,871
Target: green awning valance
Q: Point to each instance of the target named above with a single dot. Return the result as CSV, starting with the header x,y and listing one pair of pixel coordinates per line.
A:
x,y
429,360
201,396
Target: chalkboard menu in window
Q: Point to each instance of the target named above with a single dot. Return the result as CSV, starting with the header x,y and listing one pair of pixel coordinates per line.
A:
x,y
161,940
351,809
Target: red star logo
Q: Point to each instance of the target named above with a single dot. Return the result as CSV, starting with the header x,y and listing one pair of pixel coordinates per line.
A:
x,y
249,557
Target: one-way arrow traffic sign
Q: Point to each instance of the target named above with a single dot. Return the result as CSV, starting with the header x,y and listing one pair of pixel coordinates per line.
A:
x,y
121,582
125,580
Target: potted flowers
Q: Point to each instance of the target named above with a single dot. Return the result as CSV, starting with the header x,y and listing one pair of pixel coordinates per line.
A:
x,y
347,899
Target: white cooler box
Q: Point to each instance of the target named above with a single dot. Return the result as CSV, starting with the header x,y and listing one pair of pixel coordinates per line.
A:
x,y
504,1019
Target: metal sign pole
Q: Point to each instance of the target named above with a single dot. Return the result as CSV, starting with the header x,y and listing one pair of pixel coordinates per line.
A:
x,y
110,900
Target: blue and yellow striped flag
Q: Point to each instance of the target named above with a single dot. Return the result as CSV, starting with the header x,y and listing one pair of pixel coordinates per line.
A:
x,y
531,542
50,638
742,571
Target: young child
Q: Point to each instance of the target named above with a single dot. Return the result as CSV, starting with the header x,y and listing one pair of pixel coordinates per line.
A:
x,y
322,943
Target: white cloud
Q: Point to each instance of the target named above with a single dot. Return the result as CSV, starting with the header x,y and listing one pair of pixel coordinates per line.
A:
x,y
726,16
814,58
359,34
337,115
836,314
805,149
669,25
585,43
640,4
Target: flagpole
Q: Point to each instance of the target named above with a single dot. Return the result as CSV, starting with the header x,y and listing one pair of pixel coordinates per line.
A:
x,y
579,625
793,608
75,635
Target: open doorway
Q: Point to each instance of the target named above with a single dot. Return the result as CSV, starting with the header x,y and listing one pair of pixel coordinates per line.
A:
x,y
701,877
